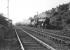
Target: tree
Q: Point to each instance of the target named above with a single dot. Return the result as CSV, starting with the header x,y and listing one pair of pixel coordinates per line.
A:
x,y
3,20
63,7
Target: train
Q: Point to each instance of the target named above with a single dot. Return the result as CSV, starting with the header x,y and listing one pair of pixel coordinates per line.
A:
x,y
47,25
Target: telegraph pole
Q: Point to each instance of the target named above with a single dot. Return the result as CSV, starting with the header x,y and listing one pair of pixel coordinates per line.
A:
x,y
37,13
10,21
8,8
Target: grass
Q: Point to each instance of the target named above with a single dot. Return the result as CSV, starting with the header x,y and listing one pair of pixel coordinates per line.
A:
x,y
9,40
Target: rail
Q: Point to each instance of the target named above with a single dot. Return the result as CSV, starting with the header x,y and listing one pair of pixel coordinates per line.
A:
x,y
43,43
19,40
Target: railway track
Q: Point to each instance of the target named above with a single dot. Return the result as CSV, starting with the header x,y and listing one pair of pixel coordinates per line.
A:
x,y
28,42
62,40
55,36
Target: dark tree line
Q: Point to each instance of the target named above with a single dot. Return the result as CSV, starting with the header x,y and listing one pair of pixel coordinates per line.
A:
x,y
3,20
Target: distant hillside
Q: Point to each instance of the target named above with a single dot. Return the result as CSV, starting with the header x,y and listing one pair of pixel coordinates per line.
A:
x,y
61,15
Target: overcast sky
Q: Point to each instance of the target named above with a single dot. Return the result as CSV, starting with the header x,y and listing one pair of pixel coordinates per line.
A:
x,y
21,10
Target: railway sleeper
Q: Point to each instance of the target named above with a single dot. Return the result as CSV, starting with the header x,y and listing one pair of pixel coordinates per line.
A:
x,y
56,40
67,43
